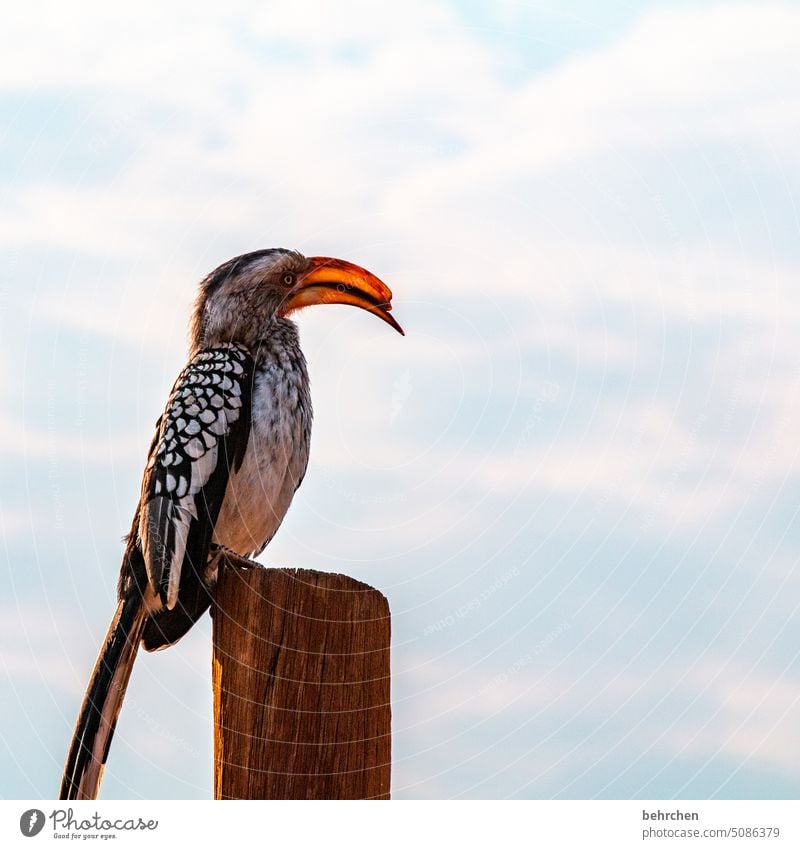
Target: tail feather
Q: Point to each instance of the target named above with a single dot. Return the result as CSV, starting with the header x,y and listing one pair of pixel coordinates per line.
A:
x,y
101,704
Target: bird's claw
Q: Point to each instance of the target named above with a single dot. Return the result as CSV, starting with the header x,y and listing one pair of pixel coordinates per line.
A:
x,y
232,559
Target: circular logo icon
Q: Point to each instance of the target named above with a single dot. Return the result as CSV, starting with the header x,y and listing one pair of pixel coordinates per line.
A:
x,y
31,822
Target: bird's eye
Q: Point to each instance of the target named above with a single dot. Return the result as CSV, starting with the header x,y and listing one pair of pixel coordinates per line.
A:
x,y
288,279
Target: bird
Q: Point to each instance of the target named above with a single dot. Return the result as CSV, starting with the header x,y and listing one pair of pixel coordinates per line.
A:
x,y
229,451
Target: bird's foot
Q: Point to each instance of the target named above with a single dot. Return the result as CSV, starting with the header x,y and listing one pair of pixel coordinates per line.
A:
x,y
231,558
227,558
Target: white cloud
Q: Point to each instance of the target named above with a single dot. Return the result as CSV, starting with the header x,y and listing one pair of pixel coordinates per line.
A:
x,y
752,719
728,710
297,142
393,137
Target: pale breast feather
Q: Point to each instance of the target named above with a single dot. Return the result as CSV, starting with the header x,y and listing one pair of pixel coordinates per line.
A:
x,y
201,439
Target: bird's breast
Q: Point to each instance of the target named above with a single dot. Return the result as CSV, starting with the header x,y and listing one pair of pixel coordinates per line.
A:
x,y
259,494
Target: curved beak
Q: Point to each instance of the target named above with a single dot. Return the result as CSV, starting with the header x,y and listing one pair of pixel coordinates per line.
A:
x,y
334,281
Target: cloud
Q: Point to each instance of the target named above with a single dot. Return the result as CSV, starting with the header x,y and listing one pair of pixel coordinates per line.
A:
x,y
593,263
753,719
718,709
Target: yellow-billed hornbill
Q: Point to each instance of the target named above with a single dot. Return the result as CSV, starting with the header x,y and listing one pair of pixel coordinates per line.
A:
x,y
230,449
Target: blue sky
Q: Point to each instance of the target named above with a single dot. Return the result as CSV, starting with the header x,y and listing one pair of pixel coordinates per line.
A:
x,y
576,479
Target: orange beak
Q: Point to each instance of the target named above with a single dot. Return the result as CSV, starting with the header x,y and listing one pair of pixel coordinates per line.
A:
x,y
334,281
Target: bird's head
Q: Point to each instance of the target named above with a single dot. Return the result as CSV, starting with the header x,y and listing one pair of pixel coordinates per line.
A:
x,y
238,300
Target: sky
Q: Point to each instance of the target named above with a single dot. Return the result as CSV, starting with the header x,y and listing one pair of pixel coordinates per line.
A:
x,y
576,478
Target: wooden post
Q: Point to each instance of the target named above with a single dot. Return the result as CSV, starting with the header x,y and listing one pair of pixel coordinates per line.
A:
x,y
301,686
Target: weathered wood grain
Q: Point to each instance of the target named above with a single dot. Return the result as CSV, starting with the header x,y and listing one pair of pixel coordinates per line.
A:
x,y
301,686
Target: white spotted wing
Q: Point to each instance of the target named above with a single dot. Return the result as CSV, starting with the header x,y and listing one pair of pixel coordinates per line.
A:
x,y
201,438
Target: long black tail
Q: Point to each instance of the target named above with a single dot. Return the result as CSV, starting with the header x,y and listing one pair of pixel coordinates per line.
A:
x,y
102,702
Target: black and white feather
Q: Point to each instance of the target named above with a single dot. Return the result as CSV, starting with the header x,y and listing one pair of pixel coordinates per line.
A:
x,y
201,441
